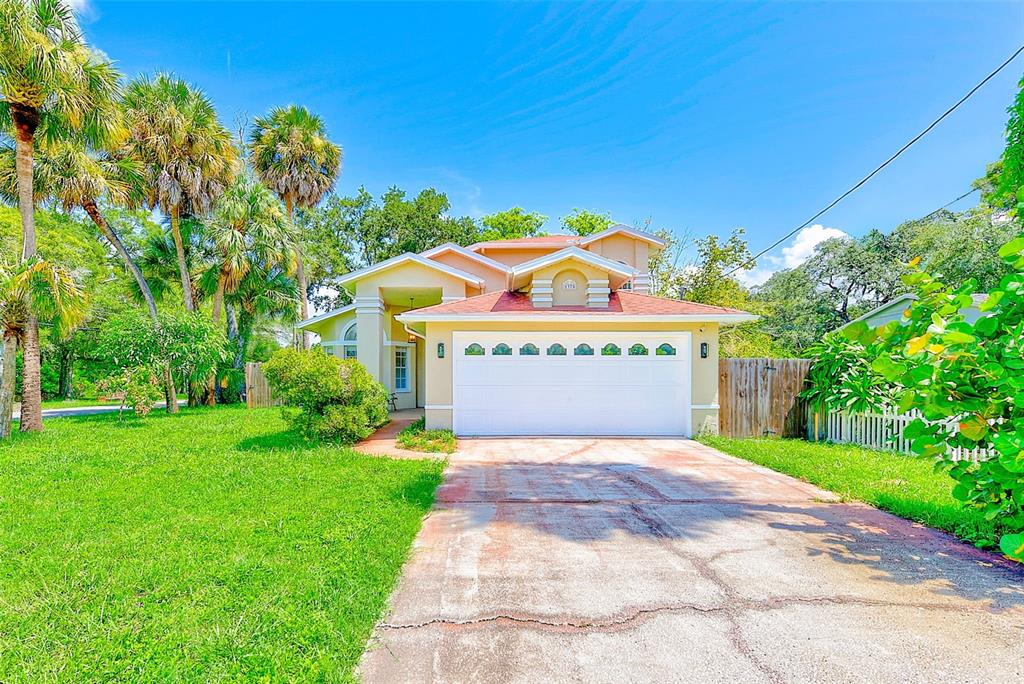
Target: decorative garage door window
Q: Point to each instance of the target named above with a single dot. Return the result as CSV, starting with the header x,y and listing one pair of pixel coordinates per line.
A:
x,y
611,350
556,350
583,350
665,350
474,350
638,350
529,349
501,349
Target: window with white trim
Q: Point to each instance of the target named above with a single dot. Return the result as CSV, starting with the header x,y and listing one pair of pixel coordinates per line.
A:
x,y
401,369
349,349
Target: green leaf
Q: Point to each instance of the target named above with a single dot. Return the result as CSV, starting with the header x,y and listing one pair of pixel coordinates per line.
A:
x,y
854,331
1012,248
974,428
954,337
1013,546
962,492
887,368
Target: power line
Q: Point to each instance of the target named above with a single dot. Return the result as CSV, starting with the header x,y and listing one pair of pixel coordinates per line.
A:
x,y
865,179
949,204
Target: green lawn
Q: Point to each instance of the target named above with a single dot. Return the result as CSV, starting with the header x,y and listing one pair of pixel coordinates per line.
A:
x,y
900,484
415,437
75,403
207,546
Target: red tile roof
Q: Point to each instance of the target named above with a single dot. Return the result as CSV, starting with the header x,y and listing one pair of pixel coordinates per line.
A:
x,y
536,241
627,303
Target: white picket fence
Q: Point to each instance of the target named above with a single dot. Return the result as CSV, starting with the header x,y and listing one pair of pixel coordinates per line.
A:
x,y
880,431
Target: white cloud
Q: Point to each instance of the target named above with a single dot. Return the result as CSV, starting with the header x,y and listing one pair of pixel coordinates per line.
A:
x,y
794,254
805,242
78,5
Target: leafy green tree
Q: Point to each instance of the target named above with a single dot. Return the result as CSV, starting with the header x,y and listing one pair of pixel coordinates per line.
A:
x,y
186,154
796,312
33,289
328,250
186,340
247,228
583,222
511,223
706,281
379,230
293,157
940,239
859,274
51,84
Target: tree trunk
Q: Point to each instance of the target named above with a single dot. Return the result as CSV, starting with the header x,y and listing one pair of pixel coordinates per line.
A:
x,y
218,304
66,374
31,392
238,358
7,381
26,120
179,248
300,274
90,207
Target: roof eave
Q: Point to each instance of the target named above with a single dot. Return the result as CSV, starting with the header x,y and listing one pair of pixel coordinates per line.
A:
x,y
721,319
414,258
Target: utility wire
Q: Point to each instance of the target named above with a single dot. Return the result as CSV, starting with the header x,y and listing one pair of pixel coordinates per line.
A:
x,y
865,179
949,204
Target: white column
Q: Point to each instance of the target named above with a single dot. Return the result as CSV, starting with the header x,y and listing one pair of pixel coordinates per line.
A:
x,y
369,341
597,294
542,294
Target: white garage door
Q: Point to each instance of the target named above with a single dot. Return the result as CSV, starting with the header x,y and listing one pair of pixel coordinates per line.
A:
x,y
571,383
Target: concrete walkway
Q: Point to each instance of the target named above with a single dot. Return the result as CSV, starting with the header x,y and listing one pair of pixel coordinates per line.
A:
x,y
382,442
664,560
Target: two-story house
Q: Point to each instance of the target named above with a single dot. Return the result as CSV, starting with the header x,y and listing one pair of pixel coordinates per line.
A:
x,y
552,335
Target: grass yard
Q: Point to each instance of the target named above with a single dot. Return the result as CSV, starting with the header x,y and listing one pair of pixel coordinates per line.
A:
x,y
208,546
896,483
416,437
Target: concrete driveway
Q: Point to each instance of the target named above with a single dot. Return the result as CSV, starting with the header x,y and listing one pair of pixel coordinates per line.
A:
x,y
664,560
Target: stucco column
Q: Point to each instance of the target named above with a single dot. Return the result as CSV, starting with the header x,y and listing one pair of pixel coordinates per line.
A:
x,y
370,331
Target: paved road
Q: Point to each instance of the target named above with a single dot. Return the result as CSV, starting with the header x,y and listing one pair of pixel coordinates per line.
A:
x,y
664,560
88,410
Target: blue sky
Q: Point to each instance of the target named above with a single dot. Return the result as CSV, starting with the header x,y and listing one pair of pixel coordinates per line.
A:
x,y
699,116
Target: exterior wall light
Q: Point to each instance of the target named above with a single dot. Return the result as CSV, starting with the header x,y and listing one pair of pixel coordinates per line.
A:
x,y
440,350
703,350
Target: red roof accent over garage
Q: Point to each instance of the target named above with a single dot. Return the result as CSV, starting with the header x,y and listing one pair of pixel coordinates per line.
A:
x,y
627,303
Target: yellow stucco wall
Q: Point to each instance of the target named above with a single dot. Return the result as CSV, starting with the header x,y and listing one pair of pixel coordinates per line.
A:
x,y
494,280
623,248
704,372
411,275
577,296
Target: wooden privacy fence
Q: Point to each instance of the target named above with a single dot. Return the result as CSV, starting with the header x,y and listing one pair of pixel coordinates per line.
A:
x,y
880,431
257,390
758,397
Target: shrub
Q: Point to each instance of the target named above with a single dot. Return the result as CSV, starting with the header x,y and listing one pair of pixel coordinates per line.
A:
x,y
137,386
336,399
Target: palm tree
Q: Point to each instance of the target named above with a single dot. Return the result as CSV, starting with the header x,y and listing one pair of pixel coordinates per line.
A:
x,y
70,174
187,155
34,289
293,157
51,85
247,227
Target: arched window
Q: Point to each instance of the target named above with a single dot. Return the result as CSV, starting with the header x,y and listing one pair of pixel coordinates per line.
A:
x,y
568,284
583,349
638,350
501,349
611,350
474,350
556,350
665,349
529,349
349,350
